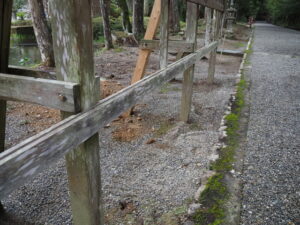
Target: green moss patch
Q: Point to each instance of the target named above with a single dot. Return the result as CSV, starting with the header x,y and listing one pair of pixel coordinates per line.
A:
x,y
215,194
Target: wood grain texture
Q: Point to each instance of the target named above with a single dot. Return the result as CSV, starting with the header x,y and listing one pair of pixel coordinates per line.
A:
x,y
217,21
22,162
73,41
213,4
144,54
188,77
164,34
51,93
173,46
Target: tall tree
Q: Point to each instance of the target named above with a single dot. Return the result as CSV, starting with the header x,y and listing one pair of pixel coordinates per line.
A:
x,y
104,4
96,10
138,19
130,5
42,32
174,19
125,16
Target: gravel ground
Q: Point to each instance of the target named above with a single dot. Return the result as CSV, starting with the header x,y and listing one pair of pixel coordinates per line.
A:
x,y
150,180
271,192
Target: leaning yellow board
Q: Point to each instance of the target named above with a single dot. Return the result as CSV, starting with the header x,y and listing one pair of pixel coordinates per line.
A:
x,y
144,54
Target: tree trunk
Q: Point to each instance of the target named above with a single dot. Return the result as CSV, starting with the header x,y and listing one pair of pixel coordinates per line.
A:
x,y
138,19
130,5
104,4
174,16
42,32
46,8
146,7
96,10
125,16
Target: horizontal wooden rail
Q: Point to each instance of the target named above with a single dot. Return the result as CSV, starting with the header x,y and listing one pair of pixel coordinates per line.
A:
x,y
51,93
37,73
213,4
173,46
20,163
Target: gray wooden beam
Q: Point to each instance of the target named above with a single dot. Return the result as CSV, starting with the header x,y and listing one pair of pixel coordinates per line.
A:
x,y
22,162
213,4
73,49
164,34
51,93
37,73
188,77
174,46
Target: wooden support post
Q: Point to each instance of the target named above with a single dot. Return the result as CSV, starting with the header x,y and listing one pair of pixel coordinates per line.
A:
x,y
164,34
213,55
73,41
208,31
5,22
188,77
144,54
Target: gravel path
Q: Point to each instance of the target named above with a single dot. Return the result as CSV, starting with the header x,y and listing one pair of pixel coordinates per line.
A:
x,y
271,192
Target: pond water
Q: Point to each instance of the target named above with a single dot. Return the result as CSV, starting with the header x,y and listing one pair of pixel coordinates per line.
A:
x,y
26,55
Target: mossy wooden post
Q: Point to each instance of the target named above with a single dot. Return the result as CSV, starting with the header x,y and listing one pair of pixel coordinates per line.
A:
x,y
73,49
5,22
188,76
213,55
164,34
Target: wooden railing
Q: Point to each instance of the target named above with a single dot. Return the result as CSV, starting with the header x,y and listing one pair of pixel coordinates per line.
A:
x,y
79,92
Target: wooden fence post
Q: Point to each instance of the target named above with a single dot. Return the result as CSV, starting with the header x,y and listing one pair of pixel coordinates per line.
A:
x,y
188,77
208,31
73,49
164,34
213,55
5,22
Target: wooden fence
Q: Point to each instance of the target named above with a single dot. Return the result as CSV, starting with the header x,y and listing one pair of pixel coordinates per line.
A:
x,y
77,90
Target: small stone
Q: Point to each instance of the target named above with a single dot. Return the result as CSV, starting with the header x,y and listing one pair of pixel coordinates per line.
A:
x,y
193,207
107,126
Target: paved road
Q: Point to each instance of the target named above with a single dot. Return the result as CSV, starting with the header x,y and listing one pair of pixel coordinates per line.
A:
x,y
271,191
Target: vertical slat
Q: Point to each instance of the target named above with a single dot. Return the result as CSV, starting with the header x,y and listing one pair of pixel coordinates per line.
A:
x,y
208,30
164,33
5,22
188,77
213,55
73,48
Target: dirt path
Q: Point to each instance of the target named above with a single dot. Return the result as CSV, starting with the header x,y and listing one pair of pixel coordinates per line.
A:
x,y
271,192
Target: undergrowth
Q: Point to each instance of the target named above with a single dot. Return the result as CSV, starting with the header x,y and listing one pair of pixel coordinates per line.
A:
x,y
215,194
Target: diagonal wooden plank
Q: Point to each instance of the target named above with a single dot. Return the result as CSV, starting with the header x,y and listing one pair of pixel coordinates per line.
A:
x,y
144,54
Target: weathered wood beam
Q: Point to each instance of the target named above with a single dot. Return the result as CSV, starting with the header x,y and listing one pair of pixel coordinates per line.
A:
x,y
174,46
20,163
73,49
164,34
23,71
188,76
213,4
5,22
217,23
51,93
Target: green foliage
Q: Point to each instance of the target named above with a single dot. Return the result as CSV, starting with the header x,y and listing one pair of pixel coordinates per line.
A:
x,y
21,15
18,4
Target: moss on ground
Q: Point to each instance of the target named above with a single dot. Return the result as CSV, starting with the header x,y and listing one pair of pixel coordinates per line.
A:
x,y
215,194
